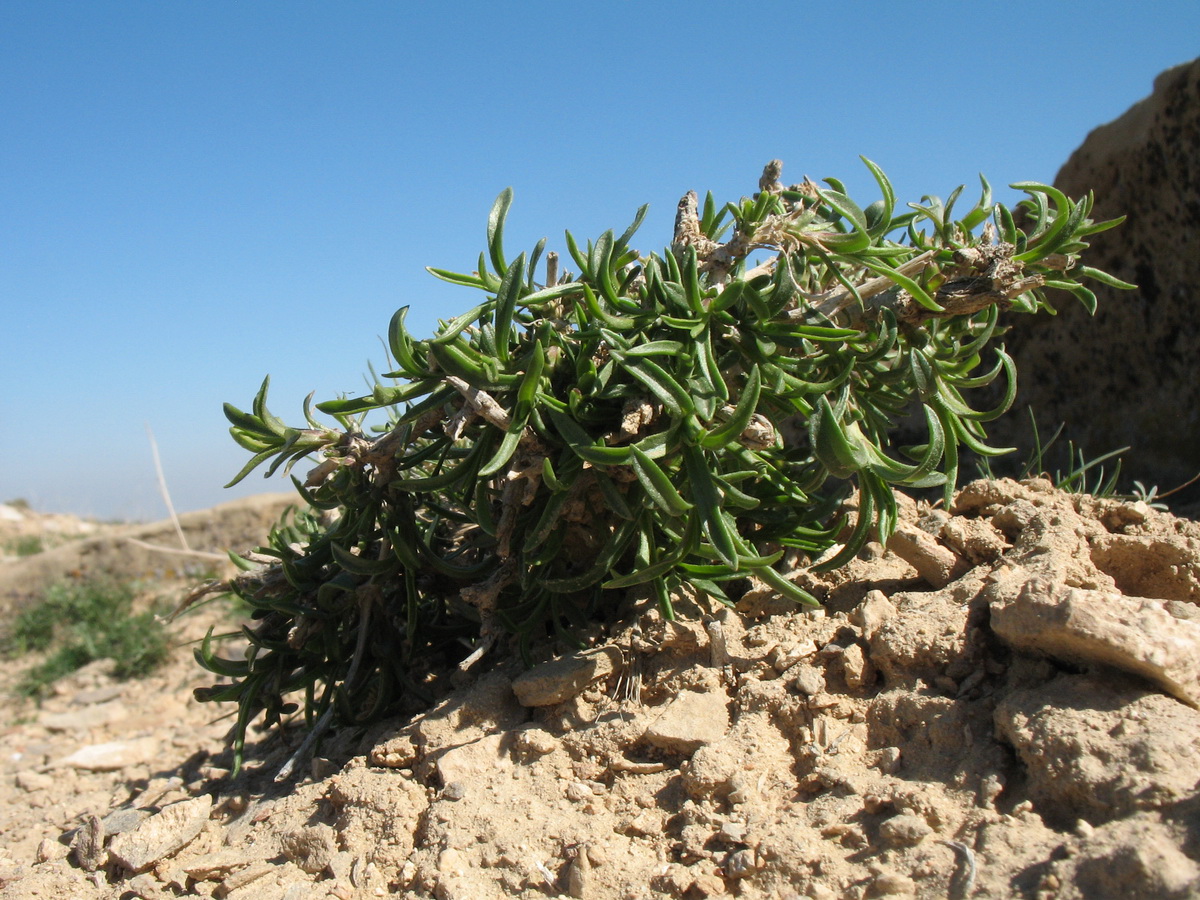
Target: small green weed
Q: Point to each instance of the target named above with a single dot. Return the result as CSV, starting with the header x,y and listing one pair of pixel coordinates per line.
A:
x,y
76,624
1081,475
28,545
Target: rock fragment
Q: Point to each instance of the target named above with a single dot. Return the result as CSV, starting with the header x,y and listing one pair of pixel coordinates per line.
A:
x,y
1133,634
1136,859
88,844
311,848
113,755
162,835
561,679
904,830
690,721
465,763
938,565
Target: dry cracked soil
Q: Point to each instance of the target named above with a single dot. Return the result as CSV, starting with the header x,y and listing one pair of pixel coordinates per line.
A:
x,y
1001,703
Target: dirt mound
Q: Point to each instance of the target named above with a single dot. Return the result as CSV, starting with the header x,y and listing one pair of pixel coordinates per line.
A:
x,y
1003,704
81,549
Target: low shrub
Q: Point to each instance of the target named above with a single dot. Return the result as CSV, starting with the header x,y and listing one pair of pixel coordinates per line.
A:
x,y
669,423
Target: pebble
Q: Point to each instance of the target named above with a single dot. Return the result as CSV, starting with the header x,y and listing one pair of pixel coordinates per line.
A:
x,y
34,781
113,755
216,865
905,830
162,834
858,669
88,844
85,719
243,877
50,849
809,680
310,848
690,721
553,682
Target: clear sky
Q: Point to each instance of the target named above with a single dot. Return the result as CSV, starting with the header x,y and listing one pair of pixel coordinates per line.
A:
x,y
196,194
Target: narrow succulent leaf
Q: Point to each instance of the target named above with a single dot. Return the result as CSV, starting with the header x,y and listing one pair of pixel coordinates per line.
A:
x,y
473,280
979,214
450,332
707,501
511,287
495,230
737,423
658,382
1104,278
657,484
623,241
786,587
914,289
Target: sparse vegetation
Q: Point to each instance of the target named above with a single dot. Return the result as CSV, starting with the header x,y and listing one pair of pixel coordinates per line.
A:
x,y
26,545
78,623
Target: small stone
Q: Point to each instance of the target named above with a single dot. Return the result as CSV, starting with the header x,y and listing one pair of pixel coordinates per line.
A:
x,y
215,866
34,781
786,657
162,835
577,791
85,719
114,755
893,884
904,831
455,790
145,886
809,680
126,819
50,849
741,863
1133,634
536,742
888,760
873,611
310,848
88,844
938,565
239,879
579,875
98,695
733,832
690,721
396,753
857,668
554,682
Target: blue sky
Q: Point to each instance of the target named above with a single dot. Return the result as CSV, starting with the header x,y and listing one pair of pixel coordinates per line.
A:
x,y
196,194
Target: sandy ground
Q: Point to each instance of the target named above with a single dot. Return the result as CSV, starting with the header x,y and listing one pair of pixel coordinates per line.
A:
x,y
1001,704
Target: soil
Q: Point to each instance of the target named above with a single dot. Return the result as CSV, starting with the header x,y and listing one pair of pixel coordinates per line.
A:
x,y
1002,703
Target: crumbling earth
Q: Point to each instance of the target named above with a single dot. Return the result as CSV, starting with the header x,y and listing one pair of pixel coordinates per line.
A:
x,y
1002,703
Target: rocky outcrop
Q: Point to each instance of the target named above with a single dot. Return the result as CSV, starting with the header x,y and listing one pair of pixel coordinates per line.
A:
x,y
1129,377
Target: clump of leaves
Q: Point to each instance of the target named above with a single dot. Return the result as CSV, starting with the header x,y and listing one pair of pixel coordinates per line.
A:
x,y
669,422
76,623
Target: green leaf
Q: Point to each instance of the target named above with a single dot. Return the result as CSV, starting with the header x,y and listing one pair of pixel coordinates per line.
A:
x,y
915,290
506,305
732,428
707,502
1105,278
787,588
495,230
672,395
657,484
587,449
830,444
